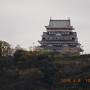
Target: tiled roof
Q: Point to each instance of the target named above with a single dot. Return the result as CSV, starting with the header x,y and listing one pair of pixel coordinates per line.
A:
x,y
59,24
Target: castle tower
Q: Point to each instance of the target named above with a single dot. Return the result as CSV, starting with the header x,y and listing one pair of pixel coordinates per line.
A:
x,y
60,37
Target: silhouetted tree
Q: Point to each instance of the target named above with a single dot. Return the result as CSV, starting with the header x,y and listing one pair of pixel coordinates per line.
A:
x,y
20,55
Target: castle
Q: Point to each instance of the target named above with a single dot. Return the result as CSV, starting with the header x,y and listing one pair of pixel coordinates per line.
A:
x,y
60,37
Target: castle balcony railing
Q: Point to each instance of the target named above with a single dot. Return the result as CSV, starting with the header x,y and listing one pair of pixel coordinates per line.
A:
x,y
57,42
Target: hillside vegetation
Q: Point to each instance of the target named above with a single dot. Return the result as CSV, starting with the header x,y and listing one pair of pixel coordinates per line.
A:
x,y
27,70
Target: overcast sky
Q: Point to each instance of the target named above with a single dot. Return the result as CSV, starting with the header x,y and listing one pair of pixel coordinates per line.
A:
x,y
22,21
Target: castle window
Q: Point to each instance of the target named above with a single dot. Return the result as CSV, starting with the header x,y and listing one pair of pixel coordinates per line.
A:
x,y
71,33
73,38
58,34
43,38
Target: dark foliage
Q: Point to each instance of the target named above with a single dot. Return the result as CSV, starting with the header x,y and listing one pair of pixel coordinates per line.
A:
x,y
41,72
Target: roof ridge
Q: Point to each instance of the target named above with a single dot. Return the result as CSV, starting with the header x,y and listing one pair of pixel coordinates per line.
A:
x,y
59,19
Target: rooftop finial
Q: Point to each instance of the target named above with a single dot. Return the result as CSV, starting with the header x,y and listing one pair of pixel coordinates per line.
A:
x,y
50,18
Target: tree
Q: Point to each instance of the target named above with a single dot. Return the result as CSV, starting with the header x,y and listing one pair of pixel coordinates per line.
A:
x,y
20,55
18,47
4,48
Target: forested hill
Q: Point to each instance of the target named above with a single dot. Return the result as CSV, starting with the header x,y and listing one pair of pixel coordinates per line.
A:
x,y
27,70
